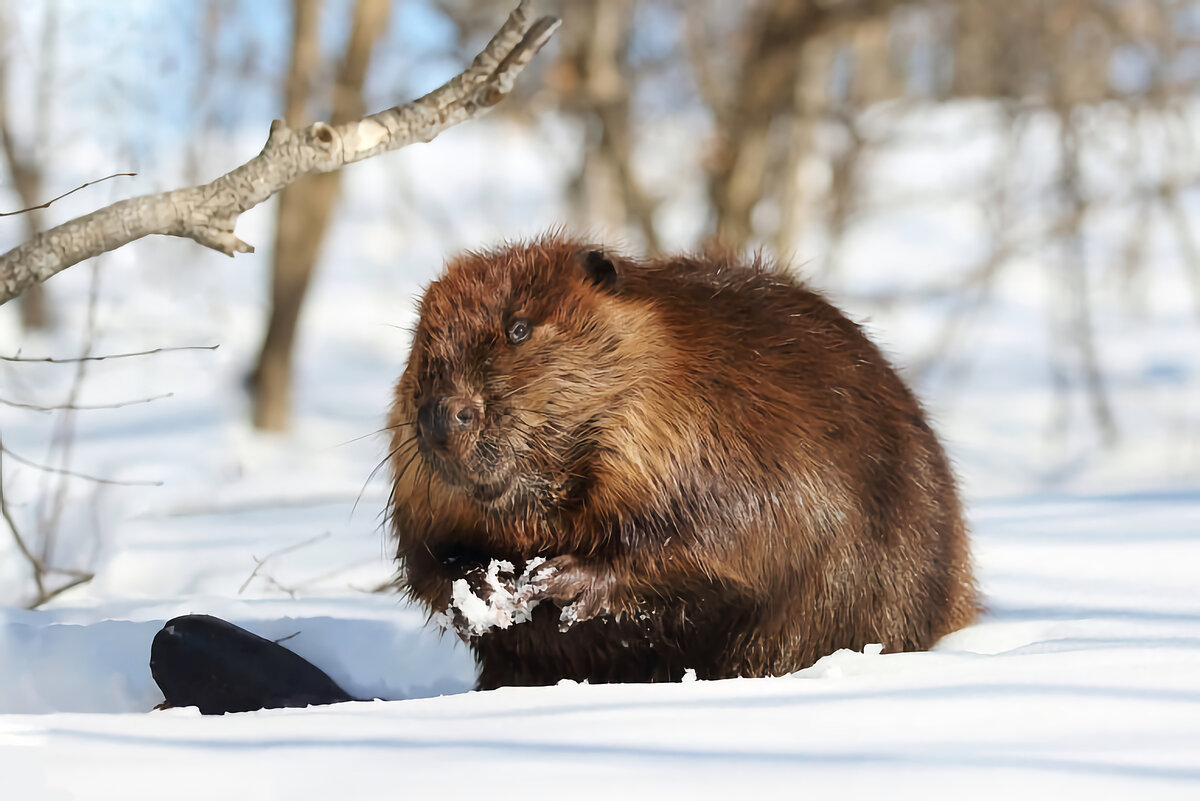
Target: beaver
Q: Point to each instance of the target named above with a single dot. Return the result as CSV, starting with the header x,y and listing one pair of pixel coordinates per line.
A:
x,y
693,462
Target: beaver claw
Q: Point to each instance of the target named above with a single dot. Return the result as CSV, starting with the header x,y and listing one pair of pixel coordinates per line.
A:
x,y
580,589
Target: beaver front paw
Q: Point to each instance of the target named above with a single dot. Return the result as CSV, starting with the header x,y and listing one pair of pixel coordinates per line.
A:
x,y
583,590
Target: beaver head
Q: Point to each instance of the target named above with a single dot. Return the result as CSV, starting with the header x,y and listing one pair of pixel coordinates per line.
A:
x,y
519,361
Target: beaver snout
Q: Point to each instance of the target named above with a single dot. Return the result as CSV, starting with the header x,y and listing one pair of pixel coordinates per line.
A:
x,y
439,418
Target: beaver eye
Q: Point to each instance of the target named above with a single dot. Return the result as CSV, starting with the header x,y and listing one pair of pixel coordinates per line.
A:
x,y
519,331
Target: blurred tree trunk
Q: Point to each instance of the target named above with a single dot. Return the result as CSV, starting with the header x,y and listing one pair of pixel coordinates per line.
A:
x,y
748,157
765,89
594,81
23,167
27,181
306,205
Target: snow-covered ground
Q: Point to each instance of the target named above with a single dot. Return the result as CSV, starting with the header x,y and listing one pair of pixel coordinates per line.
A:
x,y
1082,680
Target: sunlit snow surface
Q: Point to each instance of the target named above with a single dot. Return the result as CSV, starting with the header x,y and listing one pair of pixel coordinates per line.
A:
x,y
1082,680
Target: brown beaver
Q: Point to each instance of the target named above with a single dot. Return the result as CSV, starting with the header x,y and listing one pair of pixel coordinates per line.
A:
x,y
722,471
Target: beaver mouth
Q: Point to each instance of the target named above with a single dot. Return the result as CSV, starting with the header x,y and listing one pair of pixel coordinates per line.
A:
x,y
485,483
491,493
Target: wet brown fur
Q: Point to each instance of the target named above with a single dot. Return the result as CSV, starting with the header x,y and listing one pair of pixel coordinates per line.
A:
x,y
718,459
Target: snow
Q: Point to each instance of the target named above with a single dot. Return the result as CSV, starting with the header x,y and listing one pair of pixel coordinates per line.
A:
x,y
509,599
1081,680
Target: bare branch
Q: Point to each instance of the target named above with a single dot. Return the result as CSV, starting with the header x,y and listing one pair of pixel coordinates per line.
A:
x,y
259,563
46,205
207,214
22,546
76,359
78,577
63,472
39,567
75,407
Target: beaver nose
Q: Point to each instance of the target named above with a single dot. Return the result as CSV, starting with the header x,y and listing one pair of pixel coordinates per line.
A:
x,y
438,418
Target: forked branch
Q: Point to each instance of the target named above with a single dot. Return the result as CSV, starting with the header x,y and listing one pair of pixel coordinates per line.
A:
x,y
208,213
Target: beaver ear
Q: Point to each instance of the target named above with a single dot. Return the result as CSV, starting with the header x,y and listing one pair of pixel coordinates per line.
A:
x,y
599,269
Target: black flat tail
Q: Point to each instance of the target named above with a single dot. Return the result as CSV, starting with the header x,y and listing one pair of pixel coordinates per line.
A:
x,y
206,662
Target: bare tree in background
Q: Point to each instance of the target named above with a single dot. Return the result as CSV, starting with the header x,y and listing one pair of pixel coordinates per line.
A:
x,y
788,83
595,82
305,206
766,93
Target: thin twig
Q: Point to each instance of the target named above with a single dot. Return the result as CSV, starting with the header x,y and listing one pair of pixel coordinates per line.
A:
x,y
49,513
328,574
46,205
84,407
258,563
34,562
76,359
38,566
44,597
73,474
257,505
